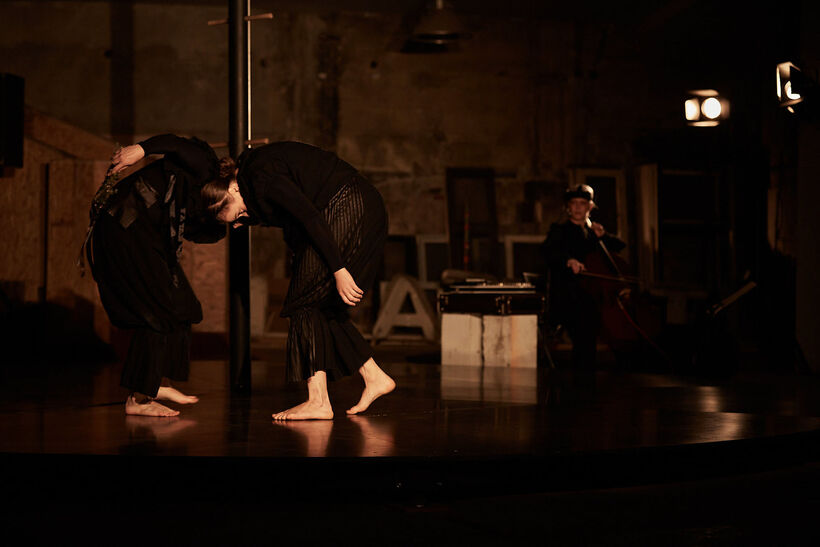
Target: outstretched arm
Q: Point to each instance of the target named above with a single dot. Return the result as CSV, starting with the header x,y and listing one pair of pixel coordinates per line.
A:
x,y
192,156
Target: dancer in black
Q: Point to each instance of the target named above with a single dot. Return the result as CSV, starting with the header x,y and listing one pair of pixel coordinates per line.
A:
x,y
136,234
335,223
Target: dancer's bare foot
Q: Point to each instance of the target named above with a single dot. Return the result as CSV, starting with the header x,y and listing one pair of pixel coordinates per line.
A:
x,y
376,384
167,393
147,407
317,407
309,410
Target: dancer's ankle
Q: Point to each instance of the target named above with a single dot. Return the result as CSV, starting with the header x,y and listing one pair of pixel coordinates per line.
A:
x,y
141,398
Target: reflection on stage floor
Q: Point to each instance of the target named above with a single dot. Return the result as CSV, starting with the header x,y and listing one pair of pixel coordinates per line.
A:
x,y
436,412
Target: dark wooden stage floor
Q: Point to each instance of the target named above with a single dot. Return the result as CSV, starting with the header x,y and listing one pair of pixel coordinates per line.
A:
x,y
446,434
442,413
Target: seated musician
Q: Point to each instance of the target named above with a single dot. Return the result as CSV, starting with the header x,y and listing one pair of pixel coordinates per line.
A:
x,y
567,246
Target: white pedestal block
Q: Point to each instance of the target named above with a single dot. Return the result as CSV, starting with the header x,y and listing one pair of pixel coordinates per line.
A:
x,y
489,340
461,339
510,341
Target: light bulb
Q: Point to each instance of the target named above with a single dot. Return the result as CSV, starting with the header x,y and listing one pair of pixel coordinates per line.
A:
x,y
691,108
711,108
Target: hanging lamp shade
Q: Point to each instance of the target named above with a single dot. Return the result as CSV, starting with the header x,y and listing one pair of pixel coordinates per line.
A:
x,y
439,26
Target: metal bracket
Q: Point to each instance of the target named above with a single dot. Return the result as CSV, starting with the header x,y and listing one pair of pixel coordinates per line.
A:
x,y
249,142
503,304
215,22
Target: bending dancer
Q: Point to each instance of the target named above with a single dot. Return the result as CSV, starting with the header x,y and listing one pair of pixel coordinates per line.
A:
x,y
135,241
335,223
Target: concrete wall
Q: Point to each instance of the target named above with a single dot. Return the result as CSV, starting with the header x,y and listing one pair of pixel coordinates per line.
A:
x,y
527,97
532,97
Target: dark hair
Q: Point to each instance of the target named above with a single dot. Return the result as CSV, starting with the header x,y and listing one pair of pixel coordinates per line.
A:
x,y
215,192
206,172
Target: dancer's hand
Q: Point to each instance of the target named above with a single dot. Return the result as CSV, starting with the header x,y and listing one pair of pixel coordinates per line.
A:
x,y
125,157
350,292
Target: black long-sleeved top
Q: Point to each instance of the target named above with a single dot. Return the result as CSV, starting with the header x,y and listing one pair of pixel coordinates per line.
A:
x,y
283,182
188,164
569,240
166,193
199,160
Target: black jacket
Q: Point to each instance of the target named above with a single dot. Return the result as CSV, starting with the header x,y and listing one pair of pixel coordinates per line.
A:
x,y
564,241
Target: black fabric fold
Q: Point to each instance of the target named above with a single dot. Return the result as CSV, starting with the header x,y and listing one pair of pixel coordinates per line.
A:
x,y
321,335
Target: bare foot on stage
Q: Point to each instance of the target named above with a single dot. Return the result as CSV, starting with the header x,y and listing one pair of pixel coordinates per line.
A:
x,y
317,407
376,384
167,393
147,408
309,410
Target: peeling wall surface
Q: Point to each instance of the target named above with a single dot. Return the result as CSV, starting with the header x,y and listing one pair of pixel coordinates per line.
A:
x,y
529,98
21,199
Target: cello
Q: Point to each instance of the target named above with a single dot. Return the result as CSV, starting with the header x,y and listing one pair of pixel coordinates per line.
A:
x,y
629,321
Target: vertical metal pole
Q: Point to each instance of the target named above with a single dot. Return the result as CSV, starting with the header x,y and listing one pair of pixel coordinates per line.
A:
x,y
239,240
43,290
249,105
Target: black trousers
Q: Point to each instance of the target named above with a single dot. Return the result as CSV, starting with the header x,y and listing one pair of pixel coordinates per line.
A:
x,y
144,290
579,314
321,336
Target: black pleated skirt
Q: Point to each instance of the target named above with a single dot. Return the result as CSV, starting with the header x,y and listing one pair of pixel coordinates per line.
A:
x,y
321,336
144,290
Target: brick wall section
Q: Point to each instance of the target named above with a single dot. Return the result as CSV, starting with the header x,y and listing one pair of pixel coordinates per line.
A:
x,y
205,266
21,200
64,154
73,184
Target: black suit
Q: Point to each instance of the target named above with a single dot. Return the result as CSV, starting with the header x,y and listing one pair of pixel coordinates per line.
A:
x,y
570,305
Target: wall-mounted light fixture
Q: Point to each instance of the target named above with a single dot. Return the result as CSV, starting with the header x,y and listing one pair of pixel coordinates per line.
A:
x,y
789,85
705,108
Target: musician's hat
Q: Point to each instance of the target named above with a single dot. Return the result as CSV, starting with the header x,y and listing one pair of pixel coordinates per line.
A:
x,y
583,191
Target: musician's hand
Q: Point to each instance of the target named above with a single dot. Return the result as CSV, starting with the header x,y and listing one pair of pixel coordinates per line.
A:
x,y
350,292
125,157
598,229
576,266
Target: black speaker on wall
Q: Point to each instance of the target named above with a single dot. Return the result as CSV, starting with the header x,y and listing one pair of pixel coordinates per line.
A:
x,y
11,120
